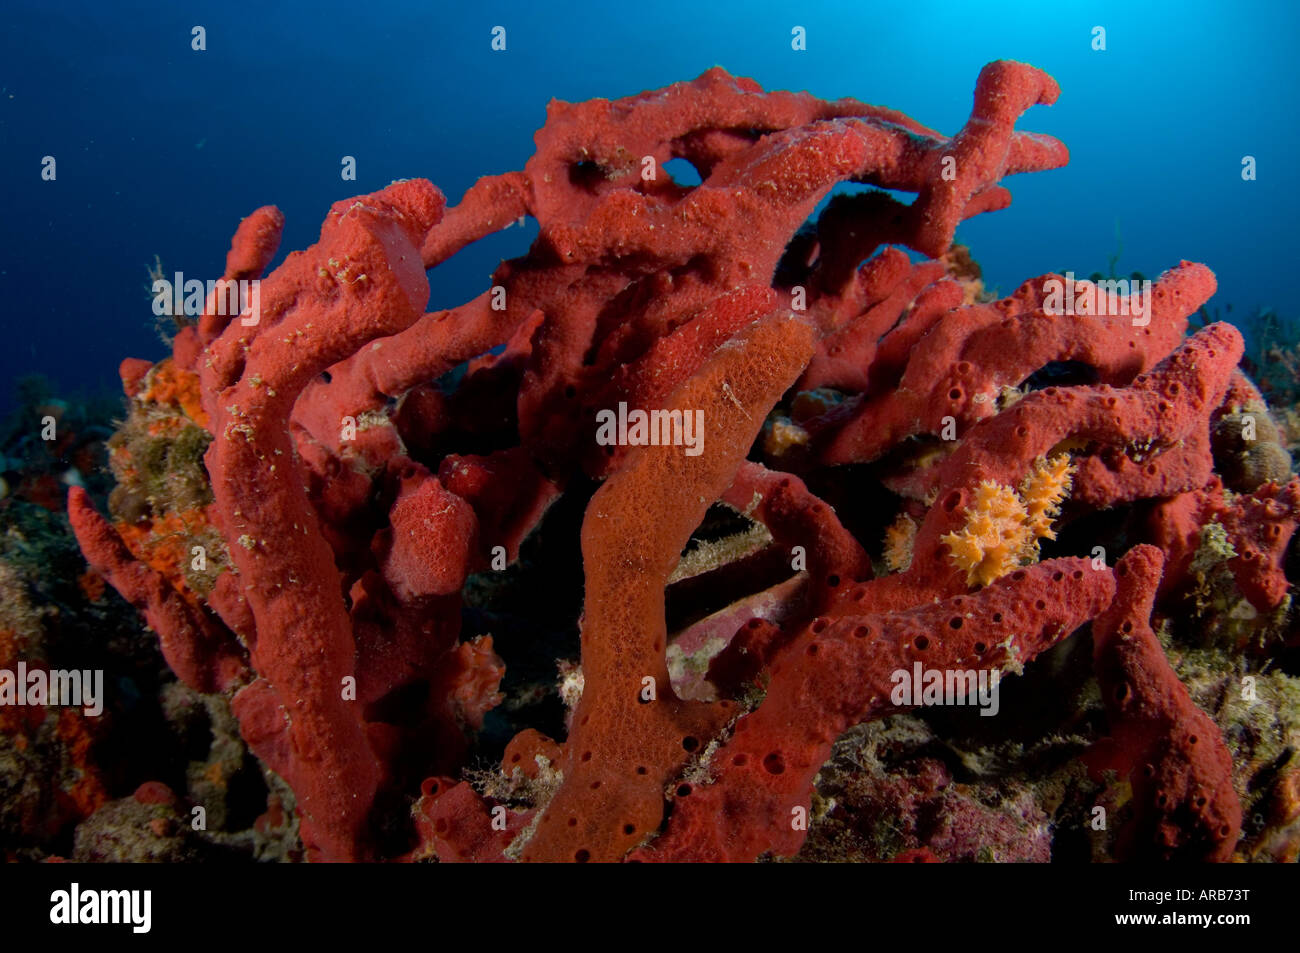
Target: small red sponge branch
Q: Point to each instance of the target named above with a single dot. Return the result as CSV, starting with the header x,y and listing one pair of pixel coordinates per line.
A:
x,y
1171,752
433,535
196,648
795,517
254,245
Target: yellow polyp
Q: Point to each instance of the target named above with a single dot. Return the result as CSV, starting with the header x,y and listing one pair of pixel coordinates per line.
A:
x,y
1003,527
994,536
1043,490
899,539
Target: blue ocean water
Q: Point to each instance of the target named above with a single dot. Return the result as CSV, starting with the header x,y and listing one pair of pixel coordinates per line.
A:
x,y
161,149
